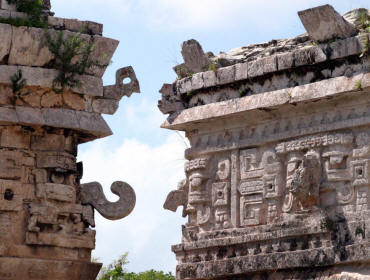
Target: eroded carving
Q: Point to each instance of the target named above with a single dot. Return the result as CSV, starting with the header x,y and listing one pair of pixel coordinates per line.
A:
x,y
304,186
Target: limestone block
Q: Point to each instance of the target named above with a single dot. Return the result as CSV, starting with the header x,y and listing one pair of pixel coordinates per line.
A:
x,y
56,22
4,14
29,47
269,64
324,23
93,123
27,115
209,78
194,57
6,39
184,85
90,123
94,28
6,95
57,192
61,117
241,71
48,142
285,61
105,106
42,77
226,75
197,81
309,55
50,99
54,159
4,5
14,137
74,101
10,167
74,25
255,68
346,47
325,88
104,49
30,269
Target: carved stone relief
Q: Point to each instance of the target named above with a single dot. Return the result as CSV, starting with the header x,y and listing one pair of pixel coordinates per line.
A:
x,y
288,178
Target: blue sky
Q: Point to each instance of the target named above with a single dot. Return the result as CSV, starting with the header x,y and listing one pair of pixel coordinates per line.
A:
x,y
149,158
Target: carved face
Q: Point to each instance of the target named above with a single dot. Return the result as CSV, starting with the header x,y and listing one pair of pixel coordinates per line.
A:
x,y
197,188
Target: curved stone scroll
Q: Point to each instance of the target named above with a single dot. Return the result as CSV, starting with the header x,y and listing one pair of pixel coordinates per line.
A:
x,y
92,193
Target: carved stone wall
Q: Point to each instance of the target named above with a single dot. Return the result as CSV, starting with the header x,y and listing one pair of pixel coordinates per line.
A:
x,y
277,181
46,215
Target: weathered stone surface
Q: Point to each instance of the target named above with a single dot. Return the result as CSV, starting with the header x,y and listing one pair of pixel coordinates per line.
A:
x,y
103,51
354,16
126,84
45,228
6,39
324,23
277,180
30,269
29,47
35,76
166,104
105,106
74,101
92,193
241,71
4,5
225,75
194,57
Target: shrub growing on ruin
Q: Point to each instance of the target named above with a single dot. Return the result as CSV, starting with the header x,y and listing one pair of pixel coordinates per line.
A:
x,y
72,57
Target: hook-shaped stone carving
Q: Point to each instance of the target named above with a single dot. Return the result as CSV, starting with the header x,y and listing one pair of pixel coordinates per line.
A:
x,y
121,89
92,193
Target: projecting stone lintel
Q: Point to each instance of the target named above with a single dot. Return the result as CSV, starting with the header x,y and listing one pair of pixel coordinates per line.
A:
x,y
89,123
267,100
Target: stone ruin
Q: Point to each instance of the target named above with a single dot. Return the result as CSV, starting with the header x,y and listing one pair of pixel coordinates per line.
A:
x,y
46,215
278,173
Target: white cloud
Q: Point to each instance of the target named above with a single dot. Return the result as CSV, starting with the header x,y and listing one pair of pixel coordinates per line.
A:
x,y
202,14
152,172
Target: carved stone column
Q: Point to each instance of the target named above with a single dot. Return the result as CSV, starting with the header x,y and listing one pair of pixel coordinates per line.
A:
x,y
277,180
46,216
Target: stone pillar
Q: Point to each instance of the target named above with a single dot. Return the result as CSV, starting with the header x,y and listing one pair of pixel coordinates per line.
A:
x,y
277,178
46,215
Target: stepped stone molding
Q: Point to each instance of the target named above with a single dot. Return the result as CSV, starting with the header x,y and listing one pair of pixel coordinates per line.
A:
x,y
277,178
46,215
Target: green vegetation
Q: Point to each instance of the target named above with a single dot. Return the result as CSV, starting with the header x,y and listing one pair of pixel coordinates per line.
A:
x,y
210,67
33,10
366,49
66,48
17,85
117,271
364,22
17,81
358,85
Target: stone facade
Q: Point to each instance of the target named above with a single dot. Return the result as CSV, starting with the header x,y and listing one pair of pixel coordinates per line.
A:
x,y
278,177
46,215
